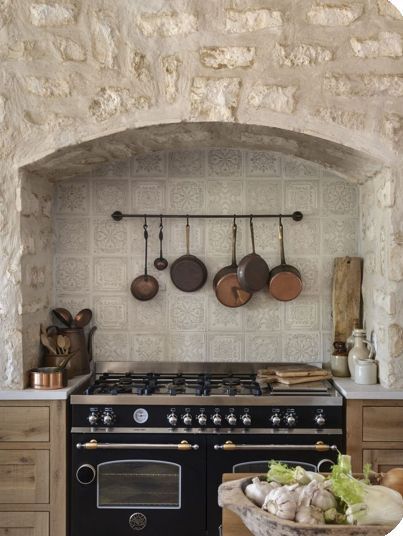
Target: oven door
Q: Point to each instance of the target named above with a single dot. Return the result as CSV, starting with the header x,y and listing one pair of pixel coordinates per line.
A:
x,y
250,453
138,484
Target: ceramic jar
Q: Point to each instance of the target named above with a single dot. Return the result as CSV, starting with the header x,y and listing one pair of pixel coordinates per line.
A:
x,y
362,349
339,362
366,372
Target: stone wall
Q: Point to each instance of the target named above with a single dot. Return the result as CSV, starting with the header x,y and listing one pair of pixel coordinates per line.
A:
x,y
328,74
98,258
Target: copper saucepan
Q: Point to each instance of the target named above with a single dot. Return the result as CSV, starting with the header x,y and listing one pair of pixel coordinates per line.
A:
x,y
253,272
144,287
50,377
226,283
285,280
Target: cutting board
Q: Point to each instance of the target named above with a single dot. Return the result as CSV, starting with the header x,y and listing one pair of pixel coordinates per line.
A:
x,y
346,298
292,371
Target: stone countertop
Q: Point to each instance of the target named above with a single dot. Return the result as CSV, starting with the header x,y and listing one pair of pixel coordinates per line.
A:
x,y
45,394
352,391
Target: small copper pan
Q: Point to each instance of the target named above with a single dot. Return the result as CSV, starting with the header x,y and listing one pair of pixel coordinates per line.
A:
x,y
48,378
253,272
285,280
226,283
144,287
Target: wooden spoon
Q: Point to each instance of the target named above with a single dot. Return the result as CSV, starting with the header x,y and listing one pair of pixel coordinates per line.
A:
x,y
61,343
46,342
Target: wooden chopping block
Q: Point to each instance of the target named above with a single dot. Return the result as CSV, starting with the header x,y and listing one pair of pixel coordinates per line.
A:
x,y
306,379
346,298
299,370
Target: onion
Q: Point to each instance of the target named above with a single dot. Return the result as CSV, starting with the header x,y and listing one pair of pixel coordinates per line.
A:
x,y
393,479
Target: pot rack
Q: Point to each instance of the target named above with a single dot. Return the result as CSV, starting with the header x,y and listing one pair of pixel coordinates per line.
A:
x,y
118,216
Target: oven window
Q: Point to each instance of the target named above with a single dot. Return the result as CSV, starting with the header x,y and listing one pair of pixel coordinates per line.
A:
x,y
139,484
263,466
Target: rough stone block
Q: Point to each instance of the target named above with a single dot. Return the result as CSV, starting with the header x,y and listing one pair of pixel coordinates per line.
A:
x,y
104,39
396,262
395,340
251,20
227,57
47,87
170,66
111,101
392,127
4,12
140,66
386,193
52,14
69,50
388,44
215,99
334,15
301,55
277,98
2,109
387,9
167,23
367,85
385,300
343,118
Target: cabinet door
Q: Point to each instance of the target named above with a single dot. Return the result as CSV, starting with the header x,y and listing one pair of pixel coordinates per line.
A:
x,y
24,423
24,524
382,423
382,460
24,476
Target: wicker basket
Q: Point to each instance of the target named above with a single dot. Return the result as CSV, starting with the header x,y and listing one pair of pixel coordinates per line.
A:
x,y
231,495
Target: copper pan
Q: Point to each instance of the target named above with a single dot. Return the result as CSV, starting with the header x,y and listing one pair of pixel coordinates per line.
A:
x,y
253,272
285,280
226,284
48,378
144,287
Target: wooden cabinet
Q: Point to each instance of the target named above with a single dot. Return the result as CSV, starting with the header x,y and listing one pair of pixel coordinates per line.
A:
x,y
33,468
375,433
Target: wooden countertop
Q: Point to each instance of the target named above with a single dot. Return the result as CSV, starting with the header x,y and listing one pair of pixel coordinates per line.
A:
x,y
231,523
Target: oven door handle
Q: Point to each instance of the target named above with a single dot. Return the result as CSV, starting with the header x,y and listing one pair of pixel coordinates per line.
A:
x,y
229,446
94,445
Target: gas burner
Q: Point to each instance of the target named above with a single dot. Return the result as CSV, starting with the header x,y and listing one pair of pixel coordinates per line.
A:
x,y
230,381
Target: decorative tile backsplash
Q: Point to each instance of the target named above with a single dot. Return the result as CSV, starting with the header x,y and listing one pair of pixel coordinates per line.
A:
x,y
97,258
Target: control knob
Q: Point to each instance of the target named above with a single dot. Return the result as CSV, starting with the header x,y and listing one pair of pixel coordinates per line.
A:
x,y
246,420
290,421
231,419
202,419
187,419
93,418
108,418
172,419
275,420
217,419
320,420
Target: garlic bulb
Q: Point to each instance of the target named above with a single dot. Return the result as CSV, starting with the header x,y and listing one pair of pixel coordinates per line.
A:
x,y
258,490
309,515
323,499
281,502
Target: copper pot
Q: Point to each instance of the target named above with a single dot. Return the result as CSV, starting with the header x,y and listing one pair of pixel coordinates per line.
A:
x,y
48,378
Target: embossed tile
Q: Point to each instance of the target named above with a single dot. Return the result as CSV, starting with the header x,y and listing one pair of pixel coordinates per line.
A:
x,y
110,274
187,313
111,346
302,347
219,239
149,315
225,347
73,235
148,196
263,196
339,197
302,196
186,164
72,197
339,236
302,313
297,168
302,238
110,236
263,164
110,195
73,302
263,313
110,312
327,264
224,196
326,308
72,274
177,237
309,269
327,347
266,240
186,196
224,163
136,238
187,347
263,348
148,347
221,318
149,165
114,169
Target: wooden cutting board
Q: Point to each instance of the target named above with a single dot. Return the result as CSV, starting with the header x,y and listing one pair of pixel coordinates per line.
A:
x,y
346,298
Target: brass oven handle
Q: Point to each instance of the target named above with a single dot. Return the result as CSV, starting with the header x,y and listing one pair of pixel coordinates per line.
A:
x,y
229,446
94,445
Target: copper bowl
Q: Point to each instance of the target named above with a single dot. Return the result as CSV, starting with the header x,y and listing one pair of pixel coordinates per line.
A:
x,y
48,378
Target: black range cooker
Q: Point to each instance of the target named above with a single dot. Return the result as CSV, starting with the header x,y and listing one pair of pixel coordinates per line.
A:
x,y
150,442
